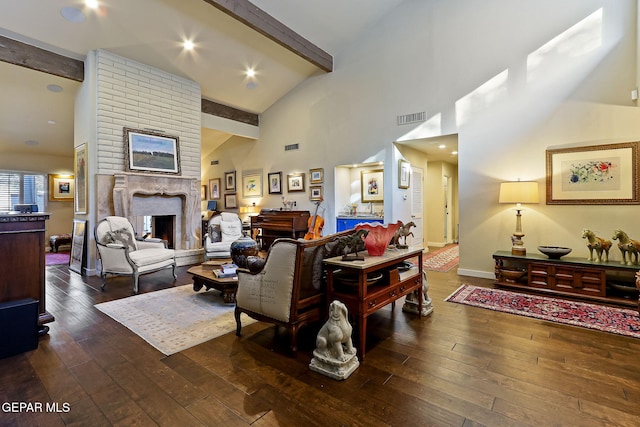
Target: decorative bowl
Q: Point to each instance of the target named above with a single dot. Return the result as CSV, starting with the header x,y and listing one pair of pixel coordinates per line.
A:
x,y
554,252
512,275
379,236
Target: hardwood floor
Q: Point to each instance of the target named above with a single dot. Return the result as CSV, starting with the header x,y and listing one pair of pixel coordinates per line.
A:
x,y
461,366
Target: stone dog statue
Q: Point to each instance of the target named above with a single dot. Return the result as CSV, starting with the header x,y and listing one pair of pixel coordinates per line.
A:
x,y
334,338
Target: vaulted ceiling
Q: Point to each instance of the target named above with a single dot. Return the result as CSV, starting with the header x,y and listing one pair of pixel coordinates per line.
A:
x,y
284,41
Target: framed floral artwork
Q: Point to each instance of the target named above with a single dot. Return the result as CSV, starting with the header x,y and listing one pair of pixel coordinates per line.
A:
x,y
597,174
371,185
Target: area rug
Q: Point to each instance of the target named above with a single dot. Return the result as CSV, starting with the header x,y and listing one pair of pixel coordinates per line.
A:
x,y
174,319
442,259
56,258
593,316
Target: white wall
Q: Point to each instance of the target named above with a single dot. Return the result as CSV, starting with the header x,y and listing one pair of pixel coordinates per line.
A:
x,y
511,78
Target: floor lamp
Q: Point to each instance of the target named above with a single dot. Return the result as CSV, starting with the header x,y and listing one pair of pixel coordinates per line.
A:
x,y
518,192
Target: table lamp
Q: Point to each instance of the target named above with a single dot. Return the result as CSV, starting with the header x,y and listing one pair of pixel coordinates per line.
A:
x,y
518,192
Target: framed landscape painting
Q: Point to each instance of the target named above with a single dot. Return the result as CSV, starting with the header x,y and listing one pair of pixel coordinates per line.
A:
x,y
597,174
151,152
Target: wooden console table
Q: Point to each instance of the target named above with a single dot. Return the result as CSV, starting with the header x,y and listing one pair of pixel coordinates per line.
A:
x,y
362,294
607,282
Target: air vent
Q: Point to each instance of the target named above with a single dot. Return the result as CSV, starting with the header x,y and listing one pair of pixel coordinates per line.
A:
x,y
214,162
412,118
291,147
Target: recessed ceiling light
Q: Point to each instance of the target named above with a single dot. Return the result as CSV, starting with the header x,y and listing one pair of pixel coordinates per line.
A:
x,y
72,14
455,153
55,88
31,143
250,72
92,4
441,146
188,45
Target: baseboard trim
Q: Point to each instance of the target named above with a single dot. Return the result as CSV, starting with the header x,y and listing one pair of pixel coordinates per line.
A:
x,y
476,273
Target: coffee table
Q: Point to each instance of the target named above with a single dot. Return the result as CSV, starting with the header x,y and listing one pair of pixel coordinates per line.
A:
x,y
203,276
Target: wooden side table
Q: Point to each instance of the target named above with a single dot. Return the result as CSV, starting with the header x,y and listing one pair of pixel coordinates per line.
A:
x,y
364,295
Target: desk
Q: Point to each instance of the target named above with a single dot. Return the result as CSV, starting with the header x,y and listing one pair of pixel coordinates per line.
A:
x,y
364,297
272,224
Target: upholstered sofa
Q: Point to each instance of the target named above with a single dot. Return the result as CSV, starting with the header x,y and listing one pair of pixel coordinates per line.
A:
x,y
287,288
222,230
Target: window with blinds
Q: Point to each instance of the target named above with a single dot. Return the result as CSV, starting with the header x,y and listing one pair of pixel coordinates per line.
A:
x,y
22,188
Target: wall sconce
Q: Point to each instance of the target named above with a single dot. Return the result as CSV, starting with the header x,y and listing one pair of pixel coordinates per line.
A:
x,y
518,192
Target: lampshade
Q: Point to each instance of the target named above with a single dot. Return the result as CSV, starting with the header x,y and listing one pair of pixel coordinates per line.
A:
x,y
519,192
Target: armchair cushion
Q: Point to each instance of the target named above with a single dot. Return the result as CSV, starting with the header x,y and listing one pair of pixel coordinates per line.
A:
x,y
121,237
215,235
231,231
269,292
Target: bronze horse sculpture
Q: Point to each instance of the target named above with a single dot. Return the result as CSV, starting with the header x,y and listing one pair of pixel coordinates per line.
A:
x,y
403,231
598,244
627,246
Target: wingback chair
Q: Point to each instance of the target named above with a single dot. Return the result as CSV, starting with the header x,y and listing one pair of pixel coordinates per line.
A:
x,y
121,253
222,230
289,289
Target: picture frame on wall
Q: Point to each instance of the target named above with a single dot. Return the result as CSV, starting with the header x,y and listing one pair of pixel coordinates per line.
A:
x,y
61,188
404,174
275,182
596,175
252,184
315,192
203,192
230,181
80,159
214,189
316,176
295,182
230,201
372,186
151,152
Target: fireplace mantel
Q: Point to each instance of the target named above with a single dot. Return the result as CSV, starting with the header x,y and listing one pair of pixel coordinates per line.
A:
x,y
127,186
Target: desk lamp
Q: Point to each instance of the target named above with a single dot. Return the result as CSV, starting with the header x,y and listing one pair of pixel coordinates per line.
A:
x,y
518,192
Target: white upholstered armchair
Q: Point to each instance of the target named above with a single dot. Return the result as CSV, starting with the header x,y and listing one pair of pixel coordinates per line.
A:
x,y
222,230
122,254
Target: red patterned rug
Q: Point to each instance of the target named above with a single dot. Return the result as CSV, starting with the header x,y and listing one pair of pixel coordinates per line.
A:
x,y
442,259
593,316
57,258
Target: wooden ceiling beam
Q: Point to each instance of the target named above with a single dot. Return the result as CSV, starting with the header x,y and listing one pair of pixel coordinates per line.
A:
x,y
35,58
260,21
224,111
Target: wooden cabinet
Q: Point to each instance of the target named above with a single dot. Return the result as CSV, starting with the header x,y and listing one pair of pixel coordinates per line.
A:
x,y
609,282
368,285
347,223
22,266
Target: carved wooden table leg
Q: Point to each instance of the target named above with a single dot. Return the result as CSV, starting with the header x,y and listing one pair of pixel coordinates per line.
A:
x,y
638,286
